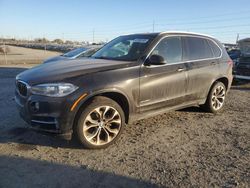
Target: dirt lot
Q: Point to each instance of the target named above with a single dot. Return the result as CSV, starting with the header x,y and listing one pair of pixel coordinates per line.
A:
x,y
187,148
18,55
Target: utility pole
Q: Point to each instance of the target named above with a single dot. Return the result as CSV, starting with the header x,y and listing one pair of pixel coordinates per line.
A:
x,y
5,51
44,42
153,26
237,38
93,36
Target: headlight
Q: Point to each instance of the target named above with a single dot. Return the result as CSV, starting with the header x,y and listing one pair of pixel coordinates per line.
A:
x,y
54,89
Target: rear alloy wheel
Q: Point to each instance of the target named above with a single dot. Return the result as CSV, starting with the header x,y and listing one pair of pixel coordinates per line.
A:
x,y
100,123
216,98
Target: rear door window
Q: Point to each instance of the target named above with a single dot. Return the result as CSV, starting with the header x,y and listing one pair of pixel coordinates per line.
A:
x,y
170,49
196,48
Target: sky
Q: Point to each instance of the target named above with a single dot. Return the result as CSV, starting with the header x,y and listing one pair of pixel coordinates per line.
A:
x,y
102,20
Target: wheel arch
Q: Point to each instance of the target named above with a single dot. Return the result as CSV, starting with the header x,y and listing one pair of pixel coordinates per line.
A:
x,y
115,95
224,80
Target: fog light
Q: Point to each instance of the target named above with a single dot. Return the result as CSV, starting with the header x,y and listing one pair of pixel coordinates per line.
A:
x,y
34,106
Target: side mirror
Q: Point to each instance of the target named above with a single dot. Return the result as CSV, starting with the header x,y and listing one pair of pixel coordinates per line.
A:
x,y
156,60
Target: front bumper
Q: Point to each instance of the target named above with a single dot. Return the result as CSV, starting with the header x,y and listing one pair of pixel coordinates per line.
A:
x,y
48,114
242,71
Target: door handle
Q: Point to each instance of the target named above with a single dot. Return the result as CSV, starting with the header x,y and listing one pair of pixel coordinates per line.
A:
x,y
213,63
180,69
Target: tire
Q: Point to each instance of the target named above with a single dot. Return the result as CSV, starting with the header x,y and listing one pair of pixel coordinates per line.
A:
x,y
100,123
216,98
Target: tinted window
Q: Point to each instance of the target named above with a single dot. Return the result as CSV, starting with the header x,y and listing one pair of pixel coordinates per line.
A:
x,y
197,48
215,48
170,49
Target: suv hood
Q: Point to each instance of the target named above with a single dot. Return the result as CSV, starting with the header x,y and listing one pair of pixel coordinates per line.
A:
x,y
56,58
61,70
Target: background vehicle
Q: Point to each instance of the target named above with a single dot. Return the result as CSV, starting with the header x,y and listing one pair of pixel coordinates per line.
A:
x,y
130,78
234,54
73,54
242,68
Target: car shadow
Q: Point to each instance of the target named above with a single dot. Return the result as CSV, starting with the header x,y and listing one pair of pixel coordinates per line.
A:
x,y
28,139
25,172
194,109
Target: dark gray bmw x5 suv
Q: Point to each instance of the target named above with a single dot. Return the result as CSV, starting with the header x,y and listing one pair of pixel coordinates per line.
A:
x,y
130,78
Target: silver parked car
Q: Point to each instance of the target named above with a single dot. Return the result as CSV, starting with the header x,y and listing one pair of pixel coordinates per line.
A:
x,y
73,54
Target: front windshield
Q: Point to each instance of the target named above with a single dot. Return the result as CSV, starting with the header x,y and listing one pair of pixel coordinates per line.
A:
x,y
74,52
125,48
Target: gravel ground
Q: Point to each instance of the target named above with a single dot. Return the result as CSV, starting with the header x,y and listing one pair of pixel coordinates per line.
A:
x,y
186,148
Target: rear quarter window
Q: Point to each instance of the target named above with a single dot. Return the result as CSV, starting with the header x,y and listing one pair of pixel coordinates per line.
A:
x,y
197,48
215,48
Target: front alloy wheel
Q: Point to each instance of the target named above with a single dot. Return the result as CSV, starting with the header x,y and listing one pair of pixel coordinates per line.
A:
x,y
100,123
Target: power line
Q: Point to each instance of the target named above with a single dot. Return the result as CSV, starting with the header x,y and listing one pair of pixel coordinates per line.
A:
x,y
142,27
221,27
208,17
148,26
160,20
208,21
214,27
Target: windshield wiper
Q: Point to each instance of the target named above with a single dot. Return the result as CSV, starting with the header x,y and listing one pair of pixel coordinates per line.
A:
x,y
101,57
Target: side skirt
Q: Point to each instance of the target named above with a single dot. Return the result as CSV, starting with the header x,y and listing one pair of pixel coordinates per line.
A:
x,y
152,113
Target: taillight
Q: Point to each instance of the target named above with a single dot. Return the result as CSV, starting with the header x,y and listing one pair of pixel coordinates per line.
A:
x,y
230,62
